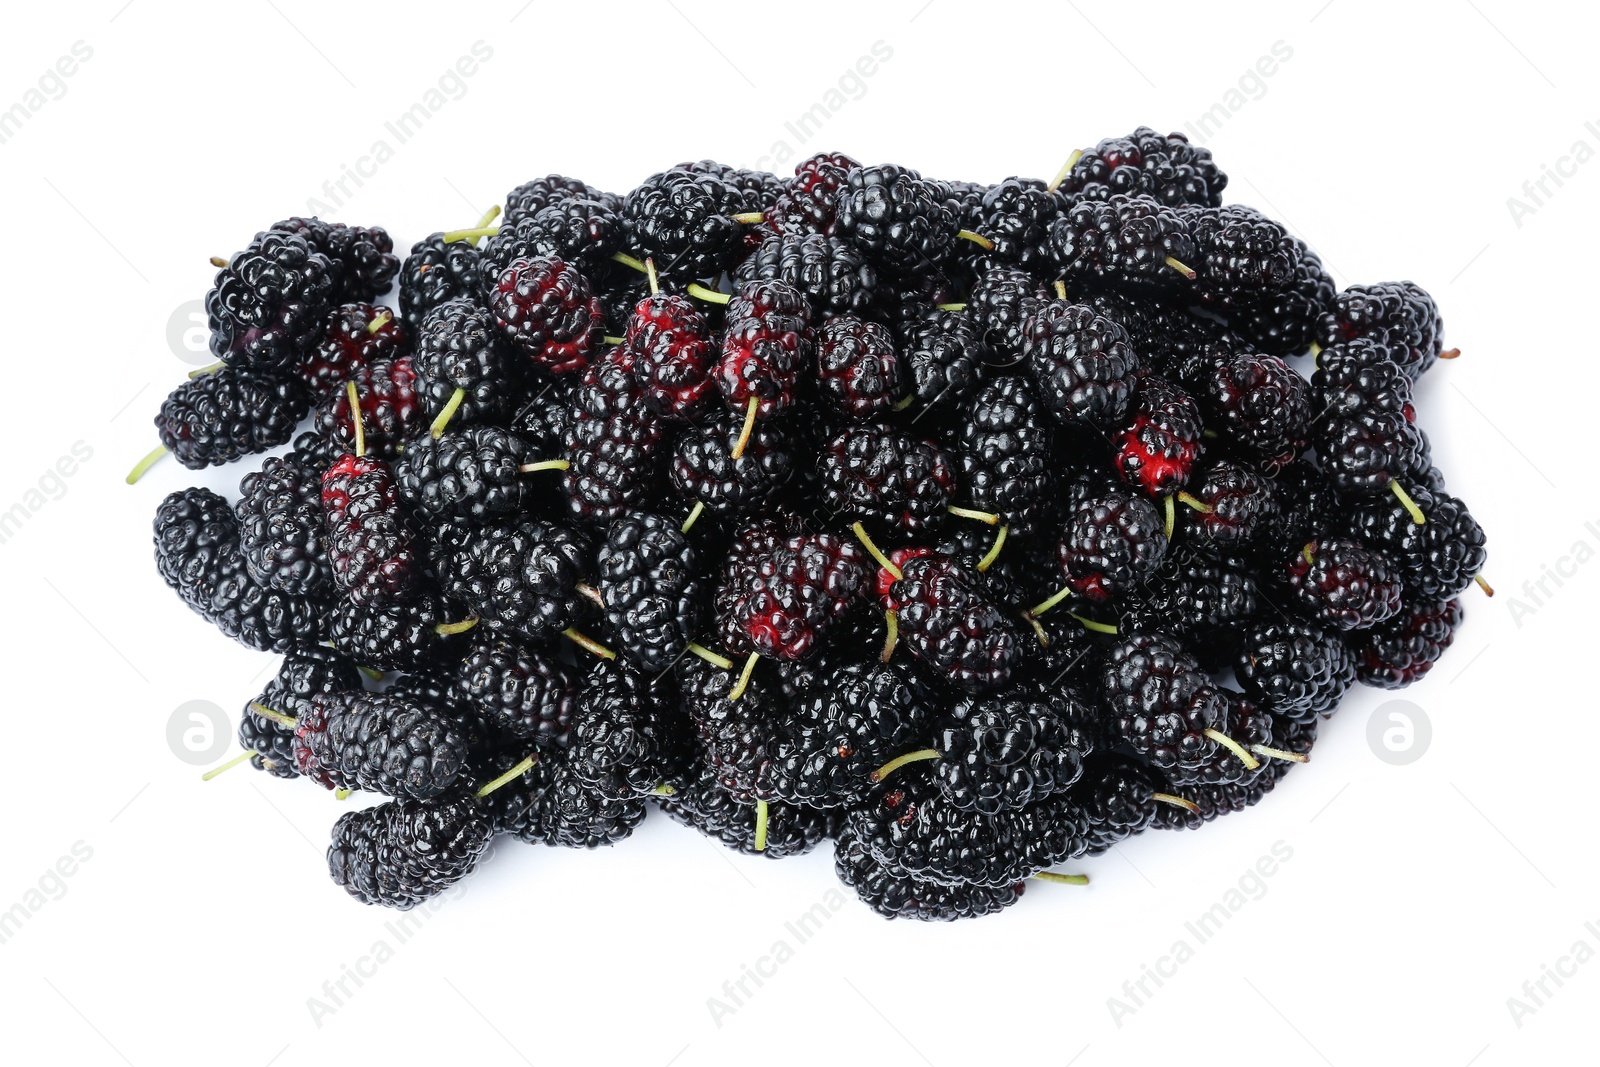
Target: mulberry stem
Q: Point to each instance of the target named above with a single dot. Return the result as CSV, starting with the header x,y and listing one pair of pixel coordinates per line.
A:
x,y
488,217
628,261
761,826
1179,266
1061,290
218,261
471,235
1172,515
1090,624
744,677
1417,517
711,657
694,515
875,552
1066,169
749,427
901,760
891,622
968,513
1062,879
210,368
710,296
749,218
355,417
1488,590
545,465
234,762
449,412
445,629
1196,503
1177,802
1250,762
1278,753
587,642
994,551
379,322
976,238
145,464
514,773
275,716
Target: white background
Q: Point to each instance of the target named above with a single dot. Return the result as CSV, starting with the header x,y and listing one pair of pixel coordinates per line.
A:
x,y
1417,899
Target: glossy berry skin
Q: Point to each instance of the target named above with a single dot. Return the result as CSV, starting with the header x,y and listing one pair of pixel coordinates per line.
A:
x,y
948,623
436,272
1005,750
547,310
943,352
199,557
392,637
1123,241
531,197
628,736
469,473
458,347
809,202
268,304
1016,217
369,545
1161,703
1243,255
834,277
1202,597
765,345
362,256
669,343
780,595
704,471
1156,451
1242,505
894,894
1145,162
1399,314
1248,725
888,479
858,370
1081,363
1118,796
655,600
1344,584
404,852
228,414
896,217
1262,404
376,741
521,574
613,444
1403,649
1001,302
1006,454
1284,322
791,830
354,337
390,410
682,218
305,674
1111,545
1298,670
578,230
851,719
281,528
523,695
1436,560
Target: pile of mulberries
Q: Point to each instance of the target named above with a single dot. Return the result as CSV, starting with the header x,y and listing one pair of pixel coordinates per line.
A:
x,y
971,529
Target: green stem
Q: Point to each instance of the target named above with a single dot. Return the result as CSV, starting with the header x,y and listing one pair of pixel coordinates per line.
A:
x,y
146,463
240,758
